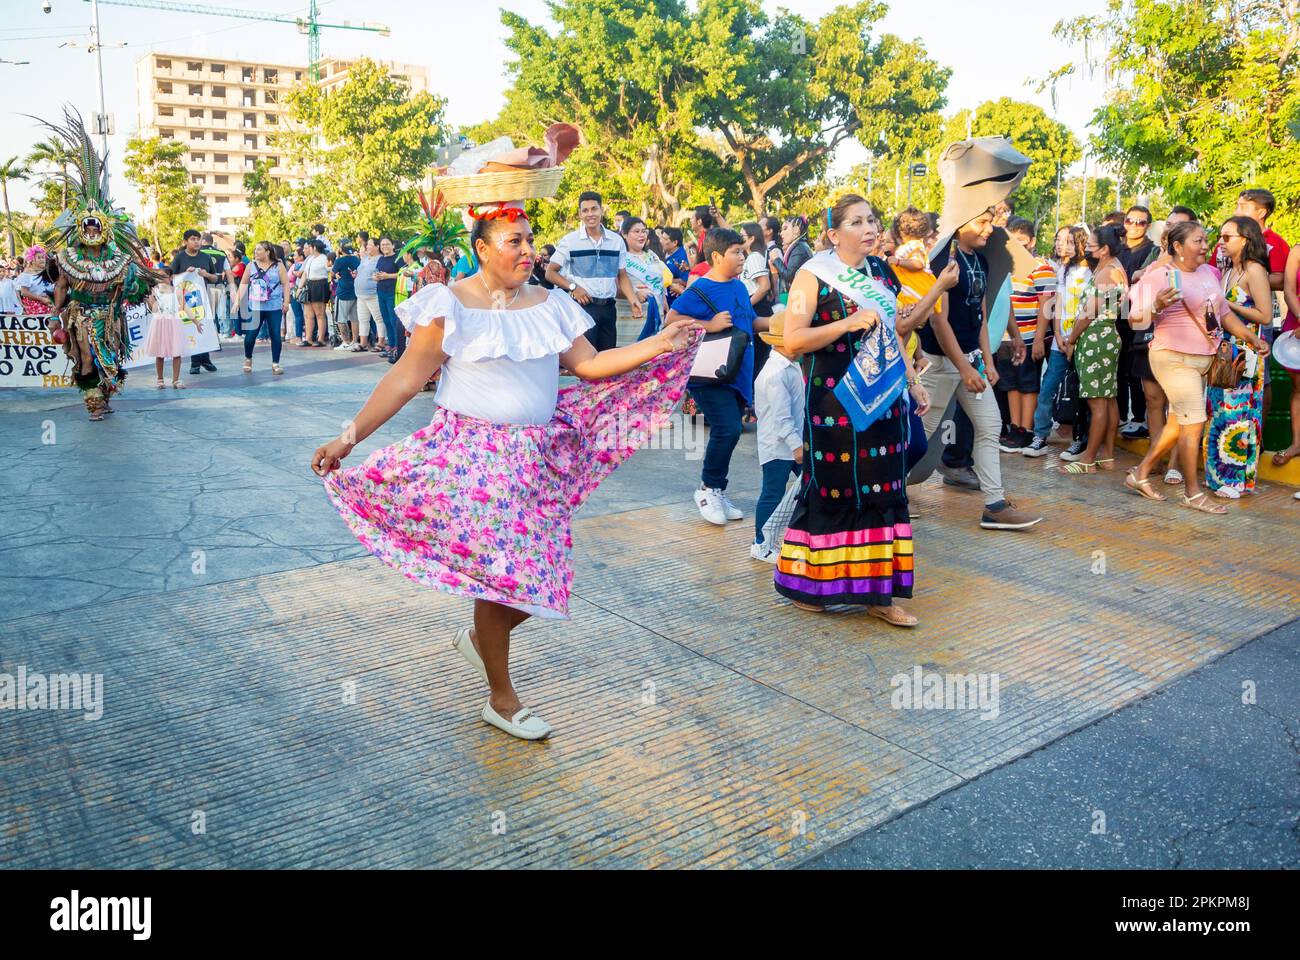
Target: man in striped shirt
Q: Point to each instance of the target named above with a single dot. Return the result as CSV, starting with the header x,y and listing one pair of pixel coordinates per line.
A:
x,y
589,263
1031,298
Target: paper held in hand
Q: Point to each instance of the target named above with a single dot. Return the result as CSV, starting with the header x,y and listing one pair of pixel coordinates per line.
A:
x,y
711,357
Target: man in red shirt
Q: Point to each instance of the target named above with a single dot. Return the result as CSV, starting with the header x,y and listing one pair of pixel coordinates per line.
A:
x,y
1258,205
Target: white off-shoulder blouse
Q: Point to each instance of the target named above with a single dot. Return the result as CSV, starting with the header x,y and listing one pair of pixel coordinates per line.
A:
x,y
503,365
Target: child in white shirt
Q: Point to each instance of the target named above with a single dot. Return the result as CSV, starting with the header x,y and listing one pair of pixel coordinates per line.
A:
x,y
779,404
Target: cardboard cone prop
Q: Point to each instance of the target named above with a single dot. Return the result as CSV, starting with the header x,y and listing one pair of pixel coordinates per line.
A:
x,y
976,174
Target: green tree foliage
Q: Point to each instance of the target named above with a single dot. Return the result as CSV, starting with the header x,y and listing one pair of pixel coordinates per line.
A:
x,y
268,206
55,155
1205,99
679,103
791,91
10,170
175,205
365,146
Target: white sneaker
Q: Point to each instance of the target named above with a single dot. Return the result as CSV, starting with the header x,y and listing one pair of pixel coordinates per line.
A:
x,y
344,346
732,511
761,551
1228,493
709,500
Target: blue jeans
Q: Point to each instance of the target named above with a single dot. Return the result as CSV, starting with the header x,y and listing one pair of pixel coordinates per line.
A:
x,y
296,307
775,475
721,406
392,329
1057,365
253,327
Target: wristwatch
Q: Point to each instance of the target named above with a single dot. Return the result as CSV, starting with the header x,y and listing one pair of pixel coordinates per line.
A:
x,y
573,286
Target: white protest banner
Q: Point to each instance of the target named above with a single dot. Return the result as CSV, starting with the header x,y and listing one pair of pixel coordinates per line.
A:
x,y
28,355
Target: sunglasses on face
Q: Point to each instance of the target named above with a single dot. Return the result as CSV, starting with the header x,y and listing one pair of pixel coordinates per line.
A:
x,y
1137,223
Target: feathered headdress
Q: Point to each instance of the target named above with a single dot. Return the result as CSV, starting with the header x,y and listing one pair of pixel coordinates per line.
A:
x,y
442,227
88,184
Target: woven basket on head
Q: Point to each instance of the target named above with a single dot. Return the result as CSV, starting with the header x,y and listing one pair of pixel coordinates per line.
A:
x,y
500,185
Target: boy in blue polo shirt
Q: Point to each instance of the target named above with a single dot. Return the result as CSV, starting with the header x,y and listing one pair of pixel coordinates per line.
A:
x,y
719,300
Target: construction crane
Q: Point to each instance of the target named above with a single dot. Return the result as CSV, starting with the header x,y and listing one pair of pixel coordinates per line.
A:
x,y
310,25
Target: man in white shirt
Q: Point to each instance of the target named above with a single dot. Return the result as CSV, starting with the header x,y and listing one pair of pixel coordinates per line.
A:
x,y
590,263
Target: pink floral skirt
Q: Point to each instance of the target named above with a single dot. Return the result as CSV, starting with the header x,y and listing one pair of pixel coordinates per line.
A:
x,y
482,510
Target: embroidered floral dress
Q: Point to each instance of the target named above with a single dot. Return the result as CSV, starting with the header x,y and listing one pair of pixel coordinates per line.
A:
x,y
482,509
850,536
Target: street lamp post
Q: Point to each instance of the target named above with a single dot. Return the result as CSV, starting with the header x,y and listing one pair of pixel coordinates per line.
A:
x,y
99,66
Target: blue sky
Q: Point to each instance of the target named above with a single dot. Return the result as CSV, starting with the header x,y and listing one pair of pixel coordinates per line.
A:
x,y
994,51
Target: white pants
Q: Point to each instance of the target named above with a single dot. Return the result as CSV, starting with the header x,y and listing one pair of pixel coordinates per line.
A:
x,y
368,310
941,381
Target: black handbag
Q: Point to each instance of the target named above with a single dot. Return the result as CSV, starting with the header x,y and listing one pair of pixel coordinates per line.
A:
x,y
735,354
1065,405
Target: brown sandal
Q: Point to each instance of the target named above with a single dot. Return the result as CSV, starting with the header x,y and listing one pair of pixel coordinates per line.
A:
x,y
1283,457
894,615
1142,486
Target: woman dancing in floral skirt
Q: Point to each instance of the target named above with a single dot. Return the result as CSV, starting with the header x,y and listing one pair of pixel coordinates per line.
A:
x,y
478,503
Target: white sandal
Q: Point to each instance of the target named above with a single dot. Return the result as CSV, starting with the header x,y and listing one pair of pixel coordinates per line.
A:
x,y
525,724
463,644
277,369
1228,493
178,384
1173,477
248,366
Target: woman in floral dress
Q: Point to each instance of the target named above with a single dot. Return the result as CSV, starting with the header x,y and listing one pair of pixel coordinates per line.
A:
x,y
478,503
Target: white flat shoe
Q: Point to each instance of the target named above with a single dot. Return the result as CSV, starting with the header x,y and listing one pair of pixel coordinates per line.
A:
x,y
463,645
525,724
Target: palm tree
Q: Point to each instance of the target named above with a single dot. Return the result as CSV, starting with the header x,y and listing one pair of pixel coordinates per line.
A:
x,y
11,169
57,154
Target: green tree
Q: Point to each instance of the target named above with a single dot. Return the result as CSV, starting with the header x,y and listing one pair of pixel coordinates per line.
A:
x,y
364,146
154,166
617,70
784,93
679,104
267,203
57,155
11,169
1204,99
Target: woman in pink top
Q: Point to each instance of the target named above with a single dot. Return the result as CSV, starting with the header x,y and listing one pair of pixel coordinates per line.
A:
x,y
1187,306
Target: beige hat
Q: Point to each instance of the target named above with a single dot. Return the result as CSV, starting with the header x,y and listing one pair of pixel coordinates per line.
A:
x,y
976,174
775,335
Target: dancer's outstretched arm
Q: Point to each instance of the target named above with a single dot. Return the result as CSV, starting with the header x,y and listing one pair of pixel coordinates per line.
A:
x,y
584,362
423,356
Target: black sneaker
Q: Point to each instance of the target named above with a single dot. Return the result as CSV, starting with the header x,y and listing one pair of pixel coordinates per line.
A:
x,y
1012,440
1036,447
209,366
195,371
1075,450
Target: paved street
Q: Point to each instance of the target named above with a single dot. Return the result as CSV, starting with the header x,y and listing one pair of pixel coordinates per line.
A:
x,y
267,678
